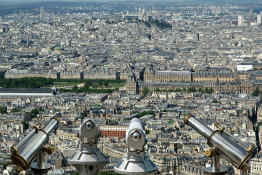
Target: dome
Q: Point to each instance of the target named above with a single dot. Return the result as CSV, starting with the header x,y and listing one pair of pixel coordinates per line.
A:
x,y
45,51
5,172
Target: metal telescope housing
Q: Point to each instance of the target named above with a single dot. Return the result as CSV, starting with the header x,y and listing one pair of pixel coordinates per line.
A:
x,y
89,159
135,162
32,146
223,144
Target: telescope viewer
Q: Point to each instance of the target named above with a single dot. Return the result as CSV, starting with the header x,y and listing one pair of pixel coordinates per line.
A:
x,y
224,146
30,152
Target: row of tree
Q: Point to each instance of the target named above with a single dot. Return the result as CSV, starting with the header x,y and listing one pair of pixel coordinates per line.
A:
x,y
28,116
26,82
101,173
3,109
36,82
141,114
256,92
87,89
161,24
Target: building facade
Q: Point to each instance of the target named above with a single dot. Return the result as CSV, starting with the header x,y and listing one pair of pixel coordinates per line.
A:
x,y
213,80
113,131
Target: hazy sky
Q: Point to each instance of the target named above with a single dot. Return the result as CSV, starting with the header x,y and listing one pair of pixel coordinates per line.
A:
x,y
186,1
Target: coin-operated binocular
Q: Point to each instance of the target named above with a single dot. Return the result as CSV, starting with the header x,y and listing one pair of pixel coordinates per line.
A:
x,y
222,146
31,151
89,159
135,162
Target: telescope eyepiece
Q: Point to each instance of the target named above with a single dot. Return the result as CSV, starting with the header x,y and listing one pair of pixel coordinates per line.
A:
x,y
136,136
89,125
89,132
136,140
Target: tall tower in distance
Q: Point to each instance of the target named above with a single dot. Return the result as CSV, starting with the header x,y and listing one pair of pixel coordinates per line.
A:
x,y
42,13
240,20
259,19
198,36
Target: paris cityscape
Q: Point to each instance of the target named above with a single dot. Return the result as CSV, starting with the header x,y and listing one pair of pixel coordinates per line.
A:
x,y
106,87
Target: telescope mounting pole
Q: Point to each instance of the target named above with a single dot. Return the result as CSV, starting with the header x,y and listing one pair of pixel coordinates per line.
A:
x,y
216,163
40,166
216,168
244,171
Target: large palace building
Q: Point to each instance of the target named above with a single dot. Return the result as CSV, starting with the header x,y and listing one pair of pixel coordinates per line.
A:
x,y
217,80
209,75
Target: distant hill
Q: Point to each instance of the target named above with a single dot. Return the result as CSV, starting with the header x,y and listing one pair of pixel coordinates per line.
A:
x,y
14,6
11,2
